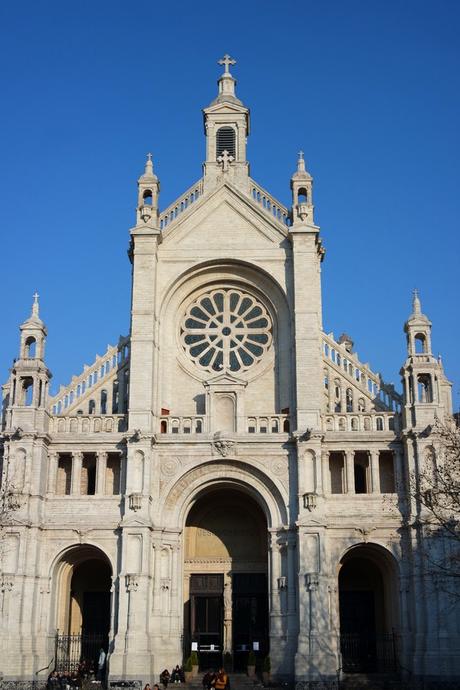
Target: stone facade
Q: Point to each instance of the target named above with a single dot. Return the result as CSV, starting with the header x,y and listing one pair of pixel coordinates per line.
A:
x,y
227,434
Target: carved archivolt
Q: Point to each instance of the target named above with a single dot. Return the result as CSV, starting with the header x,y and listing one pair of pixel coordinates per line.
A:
x,y
271,497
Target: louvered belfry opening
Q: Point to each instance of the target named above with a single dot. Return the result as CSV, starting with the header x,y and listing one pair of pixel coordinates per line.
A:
x,y
225,141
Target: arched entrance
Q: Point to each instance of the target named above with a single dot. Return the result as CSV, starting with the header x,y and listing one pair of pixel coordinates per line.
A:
x,y
83,579
225,578
368,613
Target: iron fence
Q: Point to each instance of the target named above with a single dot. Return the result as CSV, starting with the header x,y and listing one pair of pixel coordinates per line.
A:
x,y
367,653
74,652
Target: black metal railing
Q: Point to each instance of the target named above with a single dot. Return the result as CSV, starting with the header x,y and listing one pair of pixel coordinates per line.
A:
x,y
368,653
74,652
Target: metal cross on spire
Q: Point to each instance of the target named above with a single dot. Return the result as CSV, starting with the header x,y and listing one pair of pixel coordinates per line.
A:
x,y
35,304
227,61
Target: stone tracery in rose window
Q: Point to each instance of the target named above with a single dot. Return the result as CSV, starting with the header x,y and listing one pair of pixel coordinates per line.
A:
x,y
226,330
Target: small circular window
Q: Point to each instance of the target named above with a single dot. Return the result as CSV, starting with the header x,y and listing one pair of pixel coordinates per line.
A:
x,y
226,330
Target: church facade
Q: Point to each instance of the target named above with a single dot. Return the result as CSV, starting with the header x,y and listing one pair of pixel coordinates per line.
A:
x,y
228,477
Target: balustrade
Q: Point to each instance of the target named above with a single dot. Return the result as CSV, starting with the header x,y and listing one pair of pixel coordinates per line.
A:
x,y
363,422
189,197
269,204
263,424
88,424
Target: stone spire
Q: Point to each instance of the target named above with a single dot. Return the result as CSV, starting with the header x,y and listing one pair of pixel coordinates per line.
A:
x,y
148,171
35,307
416,305
148,189
301,163
34,317
226,126
302,193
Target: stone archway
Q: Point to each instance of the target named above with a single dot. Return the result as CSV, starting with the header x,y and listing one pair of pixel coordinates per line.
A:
x,y
83,581
225,577
368,610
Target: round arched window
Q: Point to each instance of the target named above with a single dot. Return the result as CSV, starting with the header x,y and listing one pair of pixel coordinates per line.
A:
x,y
226,330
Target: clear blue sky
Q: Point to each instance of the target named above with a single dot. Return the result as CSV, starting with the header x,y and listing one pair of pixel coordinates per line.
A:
x,y
368,89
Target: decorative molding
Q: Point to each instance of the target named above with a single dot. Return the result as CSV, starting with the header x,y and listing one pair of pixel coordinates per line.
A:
x,y
309,500
282,582
311,581
279,466
365,532
170,467
132,582
6,583
224,447
135,501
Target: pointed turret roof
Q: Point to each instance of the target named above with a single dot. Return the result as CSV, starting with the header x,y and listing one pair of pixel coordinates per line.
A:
x,y
148,171
417,315
34,319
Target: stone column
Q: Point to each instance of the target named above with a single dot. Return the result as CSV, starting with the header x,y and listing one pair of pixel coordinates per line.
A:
x,y
53,459
331,393
228,613
77,459
375,476
156,576
292,577
398,465
101,468
275,569
350,470
325,472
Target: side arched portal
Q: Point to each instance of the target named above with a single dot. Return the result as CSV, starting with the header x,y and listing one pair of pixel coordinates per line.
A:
x,y
368,610
83,580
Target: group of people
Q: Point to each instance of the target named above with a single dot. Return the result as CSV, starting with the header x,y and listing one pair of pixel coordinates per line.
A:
x,y
211,680
218,681
63,681
87,670
177,675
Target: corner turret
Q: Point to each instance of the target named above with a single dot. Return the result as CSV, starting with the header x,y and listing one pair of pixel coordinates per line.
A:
x,y
147,197
29,379
302,194
427,391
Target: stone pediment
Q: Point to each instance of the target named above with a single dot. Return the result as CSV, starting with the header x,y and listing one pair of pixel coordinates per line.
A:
x,y
225,380
226,106
226,218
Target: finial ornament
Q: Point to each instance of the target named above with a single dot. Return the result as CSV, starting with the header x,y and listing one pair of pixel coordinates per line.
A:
x,y
227,61
149,165
300,162
416,306
35,305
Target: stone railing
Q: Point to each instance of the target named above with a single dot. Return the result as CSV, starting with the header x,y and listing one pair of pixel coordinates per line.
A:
x,y
197,424
88,424
174,210
269,424
362,422
269,204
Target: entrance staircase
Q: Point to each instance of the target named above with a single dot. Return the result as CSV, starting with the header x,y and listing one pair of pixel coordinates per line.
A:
x,y
238,681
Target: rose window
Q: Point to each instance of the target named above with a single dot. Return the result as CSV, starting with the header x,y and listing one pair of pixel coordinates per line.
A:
x,y
226,330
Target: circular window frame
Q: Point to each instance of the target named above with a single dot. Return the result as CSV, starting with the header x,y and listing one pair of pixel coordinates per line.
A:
x,y
250,372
